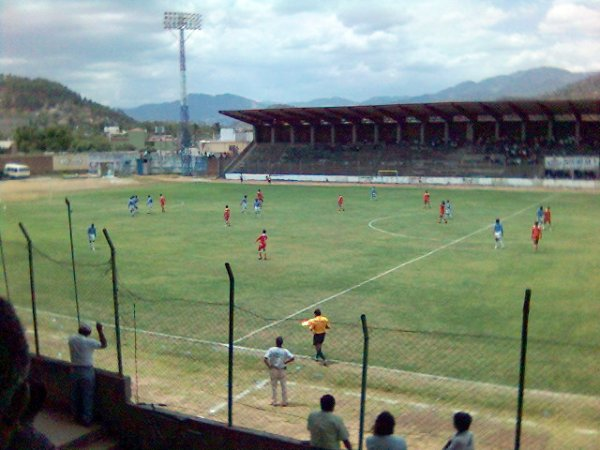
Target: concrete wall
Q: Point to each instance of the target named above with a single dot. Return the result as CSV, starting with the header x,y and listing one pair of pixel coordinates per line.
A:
x,y
71,162
146,426
38,164
456,181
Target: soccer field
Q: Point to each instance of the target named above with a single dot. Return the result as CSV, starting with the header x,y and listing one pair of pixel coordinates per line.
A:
x,y
443,307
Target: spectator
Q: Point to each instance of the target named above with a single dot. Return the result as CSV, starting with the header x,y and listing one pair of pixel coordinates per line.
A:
x,y
28,437
83,376
383,438
276,359
463,439
14,368
327,429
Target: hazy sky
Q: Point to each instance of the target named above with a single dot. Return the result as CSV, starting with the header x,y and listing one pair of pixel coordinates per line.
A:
x,y
117,53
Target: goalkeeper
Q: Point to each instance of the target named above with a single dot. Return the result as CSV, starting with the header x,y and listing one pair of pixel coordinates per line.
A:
x,y
318,325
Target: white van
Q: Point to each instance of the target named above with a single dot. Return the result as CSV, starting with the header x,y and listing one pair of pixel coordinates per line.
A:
x,y
14,170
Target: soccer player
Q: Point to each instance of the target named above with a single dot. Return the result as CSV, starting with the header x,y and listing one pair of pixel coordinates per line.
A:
x,y
540,215
498,234
227,215
449,210
260,196
244,203
319,326
257,206
92,237
131,205
547,218
536,235
262,245
426,200
443,213
149,204
163,202
373,193
341,203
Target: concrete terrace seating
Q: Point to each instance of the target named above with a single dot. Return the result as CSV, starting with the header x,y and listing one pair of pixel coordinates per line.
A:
x,y
409,159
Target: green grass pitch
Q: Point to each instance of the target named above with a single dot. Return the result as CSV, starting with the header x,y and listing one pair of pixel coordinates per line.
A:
x,y
389,259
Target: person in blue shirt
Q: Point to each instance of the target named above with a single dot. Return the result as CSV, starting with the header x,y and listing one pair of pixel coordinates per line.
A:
x,y
244,203
540,215
92,237
373,193
149,204
498,234
131,205
257,206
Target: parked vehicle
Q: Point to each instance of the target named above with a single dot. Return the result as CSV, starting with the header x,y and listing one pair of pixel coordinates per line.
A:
x,y
14,170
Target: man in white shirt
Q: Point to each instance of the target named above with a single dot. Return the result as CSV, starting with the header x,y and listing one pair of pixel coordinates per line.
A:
x,y
276,359
83,376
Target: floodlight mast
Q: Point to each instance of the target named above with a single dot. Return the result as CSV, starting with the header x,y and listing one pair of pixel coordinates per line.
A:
x,y
183,21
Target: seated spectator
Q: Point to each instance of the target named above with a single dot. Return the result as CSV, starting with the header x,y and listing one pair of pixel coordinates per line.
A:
x,y
327,429
14,389
463,439
383,438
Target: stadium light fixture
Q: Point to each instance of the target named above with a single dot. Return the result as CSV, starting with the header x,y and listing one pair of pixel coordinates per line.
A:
x,y
182,22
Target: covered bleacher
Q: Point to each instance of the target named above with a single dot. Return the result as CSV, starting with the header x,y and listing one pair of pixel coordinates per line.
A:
x,y
501,139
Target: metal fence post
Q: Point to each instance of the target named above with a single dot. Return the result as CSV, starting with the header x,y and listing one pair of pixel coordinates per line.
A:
x,y
73,260
4,268
524,330
113,263
230,362
32,287
363,386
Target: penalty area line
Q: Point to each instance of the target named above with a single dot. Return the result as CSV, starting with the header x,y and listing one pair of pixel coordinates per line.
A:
x,y
383,274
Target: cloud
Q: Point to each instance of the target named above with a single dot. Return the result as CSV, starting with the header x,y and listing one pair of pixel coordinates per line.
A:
x,y
118,53
572,18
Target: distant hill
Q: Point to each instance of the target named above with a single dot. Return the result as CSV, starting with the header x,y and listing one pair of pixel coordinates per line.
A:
x,y
527,83
25,101
202,108
588,88
524,84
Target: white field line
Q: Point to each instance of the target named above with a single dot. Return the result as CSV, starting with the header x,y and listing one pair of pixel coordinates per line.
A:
x,y
383,274
257,386
259,352
381,230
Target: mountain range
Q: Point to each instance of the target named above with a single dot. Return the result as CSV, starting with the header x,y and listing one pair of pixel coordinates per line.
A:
x,y
538,82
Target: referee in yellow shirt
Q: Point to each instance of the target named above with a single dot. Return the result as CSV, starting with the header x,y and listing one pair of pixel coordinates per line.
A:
x,y
318,326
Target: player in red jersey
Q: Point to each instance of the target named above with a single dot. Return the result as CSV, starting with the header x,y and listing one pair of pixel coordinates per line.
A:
x,y
163,202
443,213
260,196
547,218
426,200
341,203
227,215
262,245
536,234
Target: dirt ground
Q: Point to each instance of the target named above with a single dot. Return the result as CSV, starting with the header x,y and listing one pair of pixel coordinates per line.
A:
x,y
35,187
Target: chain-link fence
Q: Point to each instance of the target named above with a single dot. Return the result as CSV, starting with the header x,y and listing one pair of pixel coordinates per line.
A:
x,y
176,351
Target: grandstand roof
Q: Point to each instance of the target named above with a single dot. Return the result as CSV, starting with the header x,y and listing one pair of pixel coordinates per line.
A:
x,y
448,111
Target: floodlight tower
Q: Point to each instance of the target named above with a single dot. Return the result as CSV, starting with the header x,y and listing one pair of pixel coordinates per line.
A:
x,y
183,21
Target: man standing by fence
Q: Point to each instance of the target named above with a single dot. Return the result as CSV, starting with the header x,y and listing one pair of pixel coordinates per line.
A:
x,y
276,359
83,376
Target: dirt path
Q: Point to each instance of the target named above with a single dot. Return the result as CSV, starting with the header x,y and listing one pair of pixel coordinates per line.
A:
x,y
35,187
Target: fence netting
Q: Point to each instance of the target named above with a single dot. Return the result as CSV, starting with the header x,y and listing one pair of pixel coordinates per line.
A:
x,y
175,351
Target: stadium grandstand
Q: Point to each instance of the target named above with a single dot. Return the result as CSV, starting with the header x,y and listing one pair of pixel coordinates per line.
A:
x,y
517,138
